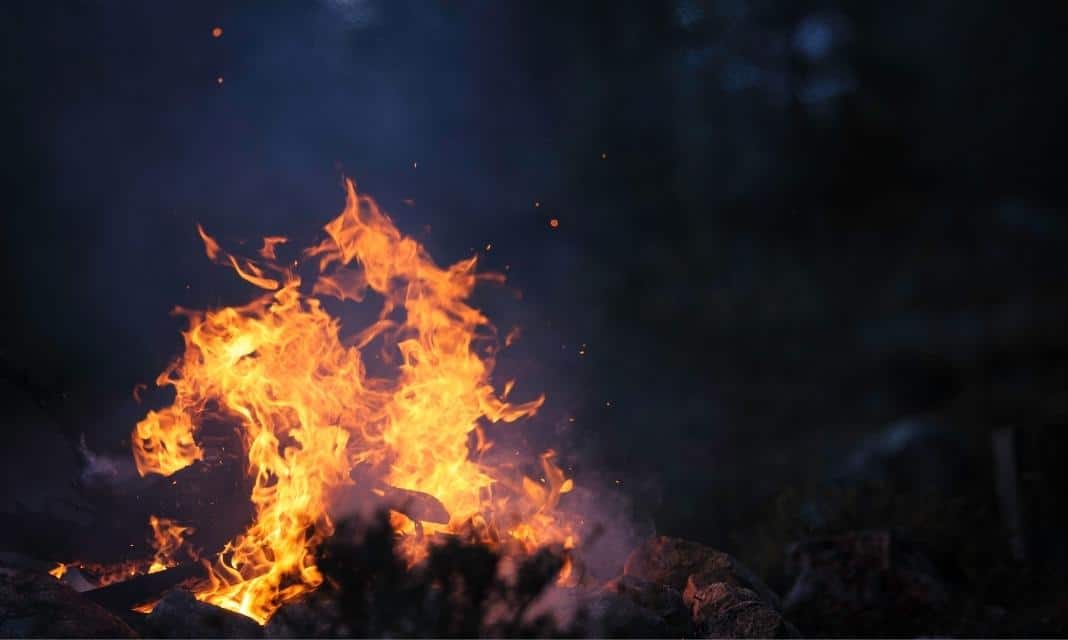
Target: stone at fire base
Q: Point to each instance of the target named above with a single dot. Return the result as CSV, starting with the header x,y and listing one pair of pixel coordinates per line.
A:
x,y
863,582
612,615
723,610
661,600
316,615
180,615
671,561
723,597
37,605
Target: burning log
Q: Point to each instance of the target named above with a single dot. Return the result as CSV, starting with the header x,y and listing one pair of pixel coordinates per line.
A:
x,y
419,506
125,595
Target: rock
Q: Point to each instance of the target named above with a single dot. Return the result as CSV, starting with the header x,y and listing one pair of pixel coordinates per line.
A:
x,y
180,615
37,605
671,562
722,610
660,599
863,582
313,616
611,615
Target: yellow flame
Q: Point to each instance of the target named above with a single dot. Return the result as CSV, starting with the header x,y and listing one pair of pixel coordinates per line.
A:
x,y
168,539
311,413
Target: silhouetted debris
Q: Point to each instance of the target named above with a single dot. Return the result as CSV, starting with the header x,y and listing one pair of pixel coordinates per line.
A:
x,y
37,605
671,561
180,615
458,591
463,588
370,490
864,582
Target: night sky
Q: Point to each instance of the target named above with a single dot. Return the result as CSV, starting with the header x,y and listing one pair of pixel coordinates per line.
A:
x,y
782,225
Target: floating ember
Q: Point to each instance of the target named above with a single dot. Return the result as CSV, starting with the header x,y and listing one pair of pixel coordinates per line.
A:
x,y
317,425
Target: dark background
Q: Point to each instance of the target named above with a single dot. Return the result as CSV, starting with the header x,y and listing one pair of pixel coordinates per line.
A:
x,y
783,225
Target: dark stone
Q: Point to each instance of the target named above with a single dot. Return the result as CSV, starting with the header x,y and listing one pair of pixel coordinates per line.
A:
x,y
660,599
864,582
316,615
37,605
611,615
722,610
671,562
180,615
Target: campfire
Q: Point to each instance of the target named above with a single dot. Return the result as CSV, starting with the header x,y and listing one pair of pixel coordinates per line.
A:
x,y
378,505
388,417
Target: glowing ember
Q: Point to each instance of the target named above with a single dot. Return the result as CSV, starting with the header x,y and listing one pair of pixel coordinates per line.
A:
x,y
313,418
216,32
58,571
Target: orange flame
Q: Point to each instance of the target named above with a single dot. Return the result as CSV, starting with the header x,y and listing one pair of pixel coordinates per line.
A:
x,y
169,539
313,417
270,243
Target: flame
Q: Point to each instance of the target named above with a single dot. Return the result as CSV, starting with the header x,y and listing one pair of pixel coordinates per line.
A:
x,y
270,244
169,538
313,418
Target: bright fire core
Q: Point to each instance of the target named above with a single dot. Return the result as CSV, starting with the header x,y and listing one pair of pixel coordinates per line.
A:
x,y
312,418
